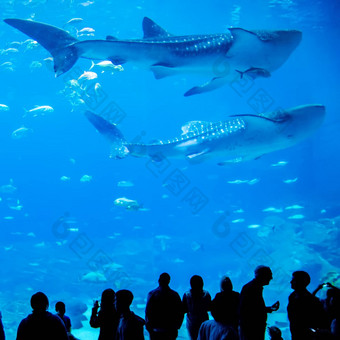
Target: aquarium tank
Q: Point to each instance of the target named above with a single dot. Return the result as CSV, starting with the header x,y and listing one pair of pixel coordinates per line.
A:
x,y
187,137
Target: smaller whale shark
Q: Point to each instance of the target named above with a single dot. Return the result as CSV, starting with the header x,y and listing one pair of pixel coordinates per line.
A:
x,y
239,138
223,57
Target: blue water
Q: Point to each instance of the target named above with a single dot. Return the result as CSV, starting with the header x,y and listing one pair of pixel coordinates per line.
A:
x,y
169,232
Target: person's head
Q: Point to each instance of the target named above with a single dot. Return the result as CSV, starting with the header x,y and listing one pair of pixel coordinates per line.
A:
x,y
39,302
196,283
60,307
226,285
108,298
300,280
164,280
123,300
263,274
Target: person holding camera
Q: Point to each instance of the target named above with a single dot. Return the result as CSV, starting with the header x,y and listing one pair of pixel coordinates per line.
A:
x,y
105,316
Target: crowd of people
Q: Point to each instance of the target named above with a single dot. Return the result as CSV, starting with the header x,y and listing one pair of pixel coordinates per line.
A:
x,y
236,316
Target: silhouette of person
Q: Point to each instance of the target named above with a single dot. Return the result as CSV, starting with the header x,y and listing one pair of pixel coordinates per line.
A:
x,y
130,326
253,311
326,303
60,308
225,305
305,311
107,318
41,324
196,304
335,308
164,311
2,332
275,333
214,330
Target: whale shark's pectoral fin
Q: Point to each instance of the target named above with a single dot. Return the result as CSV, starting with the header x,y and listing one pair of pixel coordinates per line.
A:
x,y
157,157
197,157
207,87
163,70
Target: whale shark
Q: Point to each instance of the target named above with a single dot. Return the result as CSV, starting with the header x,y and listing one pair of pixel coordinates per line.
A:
x,y
222,58
240,138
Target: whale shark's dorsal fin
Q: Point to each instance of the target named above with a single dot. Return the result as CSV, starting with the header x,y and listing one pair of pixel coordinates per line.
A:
x,y
153,30
111,38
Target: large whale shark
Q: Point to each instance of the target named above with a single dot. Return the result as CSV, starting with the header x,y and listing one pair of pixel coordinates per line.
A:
x,y
223,57
239,138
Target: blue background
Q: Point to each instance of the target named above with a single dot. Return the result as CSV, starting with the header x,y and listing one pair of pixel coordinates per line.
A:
x,y
167,234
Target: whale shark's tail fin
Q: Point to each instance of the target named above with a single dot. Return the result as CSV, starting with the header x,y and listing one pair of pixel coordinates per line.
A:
x,y
55,40
111,132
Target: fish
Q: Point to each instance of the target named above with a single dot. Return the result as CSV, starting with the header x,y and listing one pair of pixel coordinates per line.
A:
x,y
127,203
222,57
94,277
253,181
9,50
272,209
30,44
21,132
49,63
254,226
87,75
4,107
239,220
238,181
74,230
86,178
85,31
7,66
17,206
289,181
8,188
242,181
240,137
125,184
35,64
280,163
295,206
195,246
106,65
39,110
296,217
87,3
74,21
